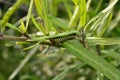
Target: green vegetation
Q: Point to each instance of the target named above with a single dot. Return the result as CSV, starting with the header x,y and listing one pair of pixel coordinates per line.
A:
x,y
59,40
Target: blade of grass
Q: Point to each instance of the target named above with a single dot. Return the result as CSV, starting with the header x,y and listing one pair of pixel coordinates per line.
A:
x,y
74,17
114,23
88,4
59,22
98,7
45,13
35,23
68,8
23,62
103,12
22,27
39,8
104,25
83,13
111,5
48,23
104,41
29,13
13,27
39,26
93,60
32,46
112,54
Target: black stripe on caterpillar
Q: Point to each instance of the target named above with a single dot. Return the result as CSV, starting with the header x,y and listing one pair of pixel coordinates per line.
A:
x,y
63,38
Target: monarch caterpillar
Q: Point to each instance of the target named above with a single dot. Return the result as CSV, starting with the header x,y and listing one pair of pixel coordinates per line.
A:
x,y
60,39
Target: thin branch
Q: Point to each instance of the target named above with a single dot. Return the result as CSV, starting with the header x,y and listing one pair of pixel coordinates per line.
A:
x,y
23,63
13,38
22,39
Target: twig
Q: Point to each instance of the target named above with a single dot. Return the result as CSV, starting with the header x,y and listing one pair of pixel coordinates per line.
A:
x,y
23,62
22,39
13,38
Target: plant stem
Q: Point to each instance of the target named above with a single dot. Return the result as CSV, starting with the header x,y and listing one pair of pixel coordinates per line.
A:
x,y
13,38
23,63
22,39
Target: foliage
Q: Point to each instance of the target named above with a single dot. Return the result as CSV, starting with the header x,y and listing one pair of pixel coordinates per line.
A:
x,y
59,40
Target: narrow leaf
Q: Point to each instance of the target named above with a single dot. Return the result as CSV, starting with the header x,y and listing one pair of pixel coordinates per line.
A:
x,y
83,13
22,27
104,41
9,13
93,60
29,13
38,6
39,26
112,54
13,27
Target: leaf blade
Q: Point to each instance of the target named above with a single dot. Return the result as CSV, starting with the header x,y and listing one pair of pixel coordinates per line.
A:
x,y
93,60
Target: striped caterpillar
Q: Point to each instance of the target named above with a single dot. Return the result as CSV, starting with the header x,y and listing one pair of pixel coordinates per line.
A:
x,y
60,39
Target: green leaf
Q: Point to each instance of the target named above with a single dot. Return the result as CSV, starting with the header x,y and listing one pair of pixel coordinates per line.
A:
x,y
83,13
39,26
32,46
98,6
68,8
22,27
35,23
108,20
39,9
103,41
112,54
74,17
29,13
99,23
60,23
76,2
93,60
9,13
45,13
13,27
114,23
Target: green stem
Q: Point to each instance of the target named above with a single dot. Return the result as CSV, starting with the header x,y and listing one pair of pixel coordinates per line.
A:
x,y
13,38
9,13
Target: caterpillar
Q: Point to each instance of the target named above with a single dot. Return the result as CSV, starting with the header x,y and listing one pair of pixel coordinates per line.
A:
x,y
61,39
